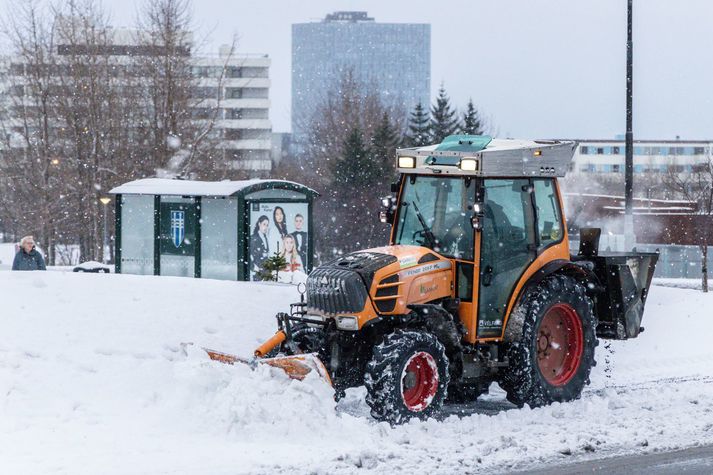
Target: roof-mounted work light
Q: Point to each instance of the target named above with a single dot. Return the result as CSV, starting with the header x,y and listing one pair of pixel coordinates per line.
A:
x,y
469,164
407,162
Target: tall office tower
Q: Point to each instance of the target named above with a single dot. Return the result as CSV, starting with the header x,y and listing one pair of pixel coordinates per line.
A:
x,y
394,57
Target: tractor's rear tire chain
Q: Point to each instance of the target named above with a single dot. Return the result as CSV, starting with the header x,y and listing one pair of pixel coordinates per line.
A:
x,y
522,380
382,377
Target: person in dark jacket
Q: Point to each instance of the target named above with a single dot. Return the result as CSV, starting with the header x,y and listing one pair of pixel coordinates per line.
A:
x,y
28,258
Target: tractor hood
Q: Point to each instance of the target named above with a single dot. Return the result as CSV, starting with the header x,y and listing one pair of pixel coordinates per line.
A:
x,y
377,280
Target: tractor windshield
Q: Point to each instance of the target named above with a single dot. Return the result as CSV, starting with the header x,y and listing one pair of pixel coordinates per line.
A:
x,y
435,212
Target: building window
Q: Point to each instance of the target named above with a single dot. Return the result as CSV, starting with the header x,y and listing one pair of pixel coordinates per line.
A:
x,y
600,151
233,134
233,93
234,114
615,151
205,92
584,150
616,168
698,151
233,72
202,113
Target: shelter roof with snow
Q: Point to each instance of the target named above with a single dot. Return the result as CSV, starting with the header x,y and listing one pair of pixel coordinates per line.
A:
x,y
175,187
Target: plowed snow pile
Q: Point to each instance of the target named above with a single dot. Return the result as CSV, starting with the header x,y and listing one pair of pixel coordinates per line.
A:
x,y
94,379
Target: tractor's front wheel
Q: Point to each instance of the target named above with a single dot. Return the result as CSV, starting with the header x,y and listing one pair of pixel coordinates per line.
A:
x,y
554,355
407,377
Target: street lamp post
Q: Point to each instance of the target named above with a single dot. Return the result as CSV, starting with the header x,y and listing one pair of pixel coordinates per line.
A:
x,y
105,200
629,237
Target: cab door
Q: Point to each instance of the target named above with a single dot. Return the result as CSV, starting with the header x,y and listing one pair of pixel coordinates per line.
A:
x,y
507,247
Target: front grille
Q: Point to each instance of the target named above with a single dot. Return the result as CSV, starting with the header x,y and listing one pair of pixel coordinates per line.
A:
x,y
335,291
387,305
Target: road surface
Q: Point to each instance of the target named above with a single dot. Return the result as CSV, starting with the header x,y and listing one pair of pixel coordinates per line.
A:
x,y
693,461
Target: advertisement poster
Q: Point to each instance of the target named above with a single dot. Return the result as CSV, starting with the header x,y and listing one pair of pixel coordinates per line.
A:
x,y
283,228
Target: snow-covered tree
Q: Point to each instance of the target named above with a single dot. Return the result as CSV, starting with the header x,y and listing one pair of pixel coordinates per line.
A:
x,y
383,151
444,119
419,127
471,123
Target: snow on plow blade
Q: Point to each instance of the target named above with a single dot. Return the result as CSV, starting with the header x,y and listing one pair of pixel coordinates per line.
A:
x,y
296,366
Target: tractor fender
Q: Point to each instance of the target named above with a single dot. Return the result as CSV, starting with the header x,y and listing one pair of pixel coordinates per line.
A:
x,y
582,271
439,322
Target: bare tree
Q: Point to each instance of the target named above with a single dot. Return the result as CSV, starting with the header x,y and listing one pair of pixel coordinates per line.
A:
x,y
30,179
697,186
181,124
349,126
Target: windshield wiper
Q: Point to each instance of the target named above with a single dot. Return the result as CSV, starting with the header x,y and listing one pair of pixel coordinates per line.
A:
x,y
426,230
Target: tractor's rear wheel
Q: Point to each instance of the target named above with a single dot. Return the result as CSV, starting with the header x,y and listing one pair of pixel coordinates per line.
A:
x,y
407,377
554,355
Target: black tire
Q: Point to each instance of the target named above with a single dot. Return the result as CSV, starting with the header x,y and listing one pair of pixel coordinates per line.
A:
x,y
555,297
386,377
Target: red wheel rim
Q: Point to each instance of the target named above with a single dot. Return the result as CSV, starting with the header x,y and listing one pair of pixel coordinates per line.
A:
x,y
560,343
419,381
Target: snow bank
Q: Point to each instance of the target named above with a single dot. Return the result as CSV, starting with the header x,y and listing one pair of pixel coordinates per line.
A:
x,y
95,380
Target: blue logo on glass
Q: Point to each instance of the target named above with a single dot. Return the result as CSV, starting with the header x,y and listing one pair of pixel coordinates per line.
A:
x,y
178,227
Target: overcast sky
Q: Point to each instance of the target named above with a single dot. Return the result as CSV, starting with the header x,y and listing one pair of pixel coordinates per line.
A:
x,y
537,68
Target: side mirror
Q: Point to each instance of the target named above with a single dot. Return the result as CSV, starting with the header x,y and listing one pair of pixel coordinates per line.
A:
x,y
388,206
477,219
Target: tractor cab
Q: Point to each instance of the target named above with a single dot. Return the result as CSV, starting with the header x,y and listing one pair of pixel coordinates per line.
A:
x,y
467,199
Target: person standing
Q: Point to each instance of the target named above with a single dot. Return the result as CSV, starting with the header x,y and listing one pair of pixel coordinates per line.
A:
x,y
300,238
28,258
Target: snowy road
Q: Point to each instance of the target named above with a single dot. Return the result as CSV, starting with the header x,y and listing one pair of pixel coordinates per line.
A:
x,y
693,461
93,379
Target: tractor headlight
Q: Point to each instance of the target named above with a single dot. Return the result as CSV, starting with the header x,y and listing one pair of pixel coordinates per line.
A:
x,y
347,323
407,162
469,164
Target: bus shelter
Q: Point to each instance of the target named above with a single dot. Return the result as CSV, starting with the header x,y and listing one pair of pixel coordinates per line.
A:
x,y
219,230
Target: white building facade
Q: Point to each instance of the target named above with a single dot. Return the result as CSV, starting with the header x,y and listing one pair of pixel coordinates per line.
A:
x,y
238,85
650,156
242,95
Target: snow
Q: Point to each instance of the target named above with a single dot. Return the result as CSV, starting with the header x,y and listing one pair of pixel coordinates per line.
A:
x,y
94,379
167,186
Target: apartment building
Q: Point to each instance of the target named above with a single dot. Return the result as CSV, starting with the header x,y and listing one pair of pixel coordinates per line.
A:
x,y
650,156
233,88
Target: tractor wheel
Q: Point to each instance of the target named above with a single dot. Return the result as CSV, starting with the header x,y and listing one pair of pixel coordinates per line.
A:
x,y
407,377
555,353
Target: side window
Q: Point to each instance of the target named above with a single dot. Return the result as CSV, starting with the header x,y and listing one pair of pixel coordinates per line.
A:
x,y
549,216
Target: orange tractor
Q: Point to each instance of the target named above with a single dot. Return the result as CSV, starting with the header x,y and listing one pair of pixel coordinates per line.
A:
x,y
477,285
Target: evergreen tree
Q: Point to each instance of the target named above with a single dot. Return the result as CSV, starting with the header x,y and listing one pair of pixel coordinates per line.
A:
x,y
419,127
383,150
444,120
472,123
272,266
355,167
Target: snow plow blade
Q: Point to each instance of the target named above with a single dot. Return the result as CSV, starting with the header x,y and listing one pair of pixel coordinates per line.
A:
x,y
296,366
